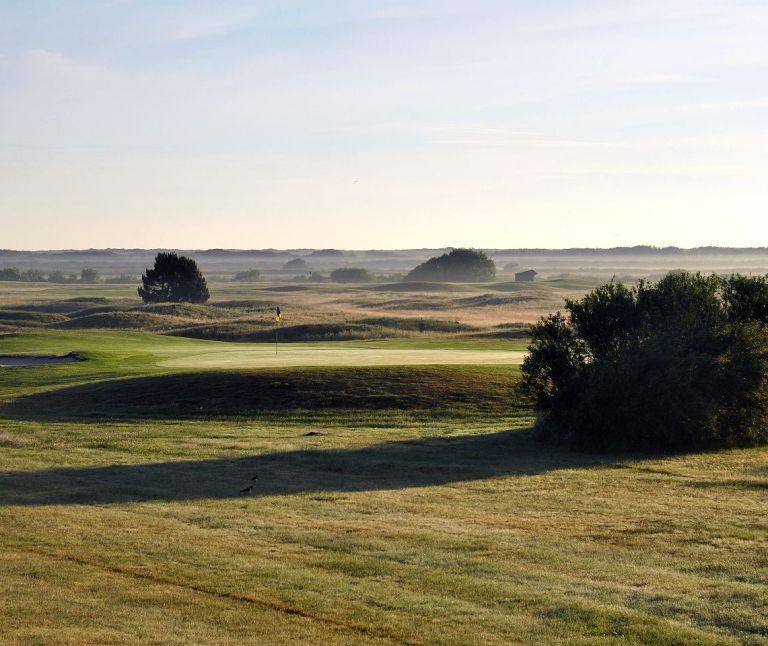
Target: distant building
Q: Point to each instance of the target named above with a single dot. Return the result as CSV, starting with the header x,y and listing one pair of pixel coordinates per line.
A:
x,y
526,276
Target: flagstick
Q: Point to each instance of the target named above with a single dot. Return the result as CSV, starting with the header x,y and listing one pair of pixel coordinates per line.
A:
x,y
277,325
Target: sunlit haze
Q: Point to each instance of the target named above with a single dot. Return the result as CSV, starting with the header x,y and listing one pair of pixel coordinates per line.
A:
x,y
493,123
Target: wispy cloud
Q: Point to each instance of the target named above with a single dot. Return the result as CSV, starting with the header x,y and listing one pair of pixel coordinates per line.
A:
x,y
612,16
726,106
403,11
480,131
454,109
188,26
505,137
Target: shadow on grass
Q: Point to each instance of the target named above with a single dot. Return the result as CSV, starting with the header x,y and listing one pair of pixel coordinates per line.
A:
x,y
392,465
238,394
734,483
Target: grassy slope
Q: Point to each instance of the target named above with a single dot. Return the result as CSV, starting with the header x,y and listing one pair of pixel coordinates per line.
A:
x,y
367,525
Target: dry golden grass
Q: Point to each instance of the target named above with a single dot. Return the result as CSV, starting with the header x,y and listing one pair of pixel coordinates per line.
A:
x,y
378,528
121,521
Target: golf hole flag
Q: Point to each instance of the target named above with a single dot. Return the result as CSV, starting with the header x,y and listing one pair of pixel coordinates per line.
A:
x,y
278,318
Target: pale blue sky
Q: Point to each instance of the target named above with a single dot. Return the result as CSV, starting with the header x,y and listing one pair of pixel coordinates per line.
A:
x,y
383,124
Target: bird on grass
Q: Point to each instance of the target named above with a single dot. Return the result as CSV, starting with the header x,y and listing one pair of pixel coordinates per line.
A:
x,y
250,488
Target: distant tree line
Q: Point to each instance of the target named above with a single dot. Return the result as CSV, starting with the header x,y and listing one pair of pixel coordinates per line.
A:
x,y
122,279
29,275
36,276
676,365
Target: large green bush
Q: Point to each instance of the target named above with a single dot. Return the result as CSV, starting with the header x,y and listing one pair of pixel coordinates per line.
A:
x,y
460,265
249,275
351,275
679,364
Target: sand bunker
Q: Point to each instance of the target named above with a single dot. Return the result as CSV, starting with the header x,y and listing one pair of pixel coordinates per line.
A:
x,y
18,361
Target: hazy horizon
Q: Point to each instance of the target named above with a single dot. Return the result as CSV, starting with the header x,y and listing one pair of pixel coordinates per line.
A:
x,y
399,124
633,248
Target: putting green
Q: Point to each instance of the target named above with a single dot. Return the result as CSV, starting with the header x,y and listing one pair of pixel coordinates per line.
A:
x,y
263,355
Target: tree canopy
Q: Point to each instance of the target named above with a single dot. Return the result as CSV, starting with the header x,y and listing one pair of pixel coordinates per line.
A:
x,y
174,279
88,275
464,265
248,275
297,263
351,275
679,364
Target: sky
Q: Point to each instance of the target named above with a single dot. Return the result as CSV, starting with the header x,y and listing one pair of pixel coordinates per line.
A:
x,y
383,124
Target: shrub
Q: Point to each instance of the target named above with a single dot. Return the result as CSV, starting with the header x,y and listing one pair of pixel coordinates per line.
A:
x,y
351,275
297,264
89,275
33,276
122,279
247,276
30,275
10,274
680,364
465,265
59,277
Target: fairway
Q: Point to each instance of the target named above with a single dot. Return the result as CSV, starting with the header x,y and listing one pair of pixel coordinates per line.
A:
x,y
255,355
401,498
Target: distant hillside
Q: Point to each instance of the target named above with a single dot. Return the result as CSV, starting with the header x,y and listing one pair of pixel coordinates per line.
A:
x,y
387,253
391,265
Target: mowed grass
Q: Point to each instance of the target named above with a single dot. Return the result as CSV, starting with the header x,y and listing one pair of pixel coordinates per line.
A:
x,y
262,355
400,504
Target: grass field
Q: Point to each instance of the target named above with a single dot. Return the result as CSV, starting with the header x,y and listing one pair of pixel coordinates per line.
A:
x,y
396,503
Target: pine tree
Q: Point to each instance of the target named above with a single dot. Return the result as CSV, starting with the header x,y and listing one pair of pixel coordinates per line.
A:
x,y
174,279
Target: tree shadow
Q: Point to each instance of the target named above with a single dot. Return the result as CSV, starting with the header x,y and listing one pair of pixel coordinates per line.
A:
x,y
391,465
238,394
731,483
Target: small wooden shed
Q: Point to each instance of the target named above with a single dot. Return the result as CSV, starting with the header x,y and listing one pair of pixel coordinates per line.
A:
x,y
526,276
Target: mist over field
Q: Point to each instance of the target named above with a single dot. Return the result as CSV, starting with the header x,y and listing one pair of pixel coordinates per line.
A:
x,y
627,262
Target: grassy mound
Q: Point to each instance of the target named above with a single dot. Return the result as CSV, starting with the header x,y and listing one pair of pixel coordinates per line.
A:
x,y
357,330
244,305
94,300
286,288
414,303
239,394
186,310
417,286
513,286
508,331
115,320
417,324
101,309
245,331
29,319
491,300
67,306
